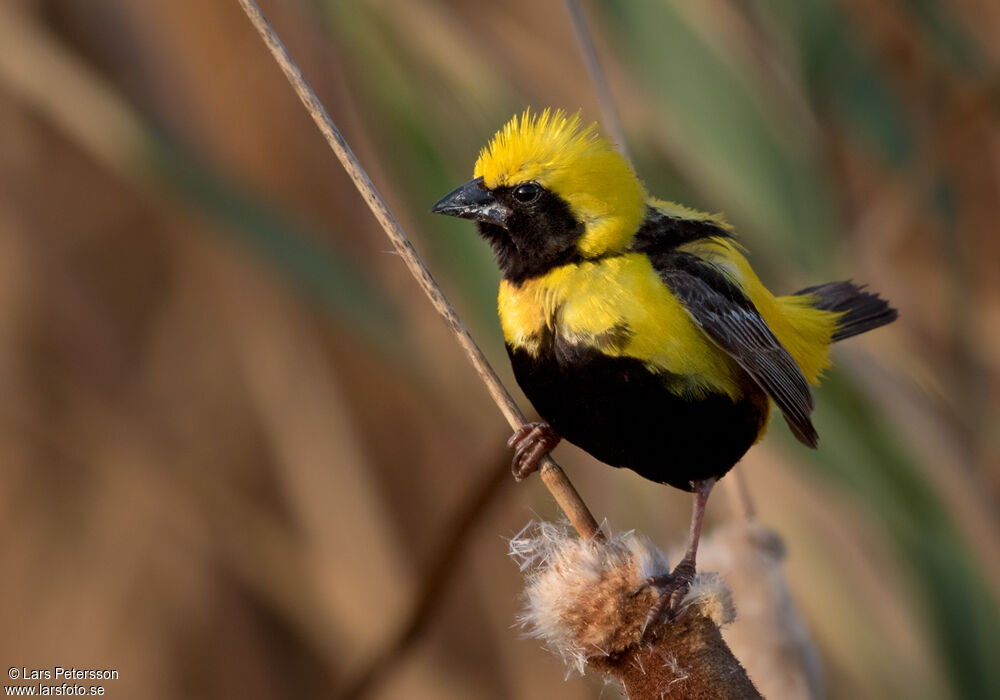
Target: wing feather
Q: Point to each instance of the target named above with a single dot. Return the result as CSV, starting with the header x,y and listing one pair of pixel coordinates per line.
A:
x,y
733,323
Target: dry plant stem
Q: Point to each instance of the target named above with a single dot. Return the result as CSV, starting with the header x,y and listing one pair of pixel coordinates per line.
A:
x,y
433,583
552,475
609,113
690,661
739,494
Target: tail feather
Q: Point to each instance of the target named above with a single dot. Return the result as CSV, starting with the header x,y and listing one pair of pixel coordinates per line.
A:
x,y
862,310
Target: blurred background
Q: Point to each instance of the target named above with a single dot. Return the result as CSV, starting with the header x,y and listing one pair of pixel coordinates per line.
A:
x,y
241,456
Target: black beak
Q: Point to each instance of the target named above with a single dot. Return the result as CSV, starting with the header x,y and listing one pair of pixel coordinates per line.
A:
x,y
473,201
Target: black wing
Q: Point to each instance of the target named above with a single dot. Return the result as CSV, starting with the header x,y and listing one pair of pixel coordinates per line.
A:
x,y
733,323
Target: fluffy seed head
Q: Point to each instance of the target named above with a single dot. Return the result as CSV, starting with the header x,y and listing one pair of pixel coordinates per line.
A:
x,y
581,597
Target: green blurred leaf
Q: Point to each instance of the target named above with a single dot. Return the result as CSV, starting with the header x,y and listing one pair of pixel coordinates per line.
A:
x,y
949,36
412,136
773,186
301,254
860,451
843,77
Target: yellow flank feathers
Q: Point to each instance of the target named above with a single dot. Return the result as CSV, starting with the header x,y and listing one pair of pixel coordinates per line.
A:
x,y
596,182
804,331
586,303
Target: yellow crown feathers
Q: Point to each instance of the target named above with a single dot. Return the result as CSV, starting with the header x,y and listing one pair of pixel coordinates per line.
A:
x,y
533,145
595,181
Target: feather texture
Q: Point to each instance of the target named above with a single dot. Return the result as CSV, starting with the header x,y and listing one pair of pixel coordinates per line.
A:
x,y
635,325
596,182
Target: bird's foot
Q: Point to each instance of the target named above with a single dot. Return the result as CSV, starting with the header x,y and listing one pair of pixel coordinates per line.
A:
x,y
531,443
672,587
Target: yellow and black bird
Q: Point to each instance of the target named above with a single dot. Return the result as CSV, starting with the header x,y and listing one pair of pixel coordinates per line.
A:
x,y
636,326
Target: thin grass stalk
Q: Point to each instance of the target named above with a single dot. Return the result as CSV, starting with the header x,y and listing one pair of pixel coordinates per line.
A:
x,y
552,475
605,100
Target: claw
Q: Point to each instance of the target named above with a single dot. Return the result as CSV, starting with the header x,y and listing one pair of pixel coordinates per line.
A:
x,y
531,443
673,587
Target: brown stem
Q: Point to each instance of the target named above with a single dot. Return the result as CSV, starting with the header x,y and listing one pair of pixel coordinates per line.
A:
x,y
436,578
688,661
739,494
609,113
552,475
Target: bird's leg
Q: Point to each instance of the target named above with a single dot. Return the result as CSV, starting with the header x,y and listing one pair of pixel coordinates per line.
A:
x,y
531,443
675,585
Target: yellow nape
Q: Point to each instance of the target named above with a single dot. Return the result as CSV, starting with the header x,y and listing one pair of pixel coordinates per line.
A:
x,y
596,182
680,211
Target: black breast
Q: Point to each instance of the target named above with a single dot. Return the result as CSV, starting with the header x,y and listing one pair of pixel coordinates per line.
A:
x,y
626,416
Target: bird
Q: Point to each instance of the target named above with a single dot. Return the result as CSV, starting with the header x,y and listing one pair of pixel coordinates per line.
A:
x,y
636,326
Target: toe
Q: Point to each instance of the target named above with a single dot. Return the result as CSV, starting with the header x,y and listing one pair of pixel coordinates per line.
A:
x,y
531,442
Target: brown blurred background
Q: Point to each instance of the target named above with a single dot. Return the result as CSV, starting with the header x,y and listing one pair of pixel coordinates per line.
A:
x,y
238,450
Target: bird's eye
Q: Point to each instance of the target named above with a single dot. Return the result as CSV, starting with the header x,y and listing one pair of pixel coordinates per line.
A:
x,y
527,192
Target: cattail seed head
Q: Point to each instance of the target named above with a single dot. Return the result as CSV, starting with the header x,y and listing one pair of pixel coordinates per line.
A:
x,y
585,599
